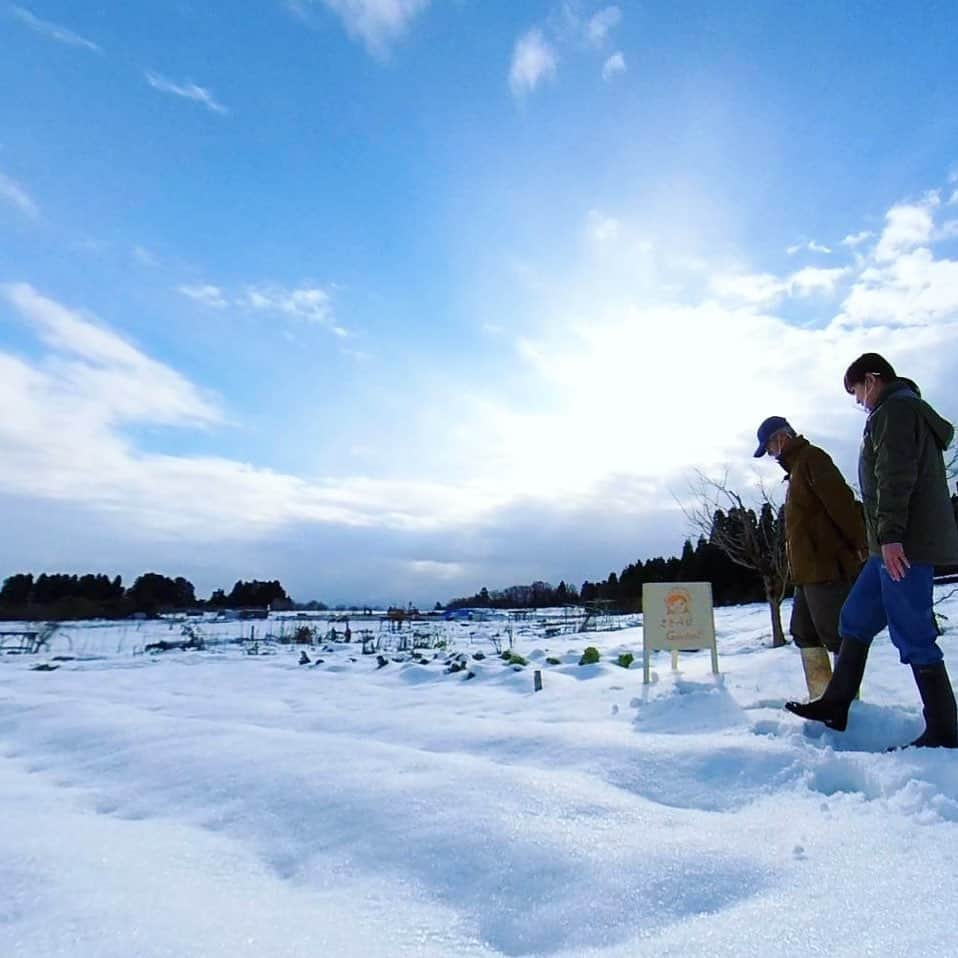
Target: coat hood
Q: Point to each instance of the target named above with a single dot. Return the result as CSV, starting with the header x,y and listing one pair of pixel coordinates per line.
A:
x,y
907,390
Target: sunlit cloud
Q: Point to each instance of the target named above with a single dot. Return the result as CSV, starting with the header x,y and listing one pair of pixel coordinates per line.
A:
x,y
307,304
602,228
310,304
811,246
103,373
812,280
856,239
378,24
907,225
756,288
730,360
766,288
533,60
206,294
92,381
12,193
601,24
614,66
913,289
187,91
53,30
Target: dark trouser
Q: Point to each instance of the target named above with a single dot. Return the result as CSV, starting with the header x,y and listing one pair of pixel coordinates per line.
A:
x,y
815,613
906,607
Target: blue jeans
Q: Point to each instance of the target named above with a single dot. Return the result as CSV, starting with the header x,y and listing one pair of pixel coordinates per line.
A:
x,y
905,607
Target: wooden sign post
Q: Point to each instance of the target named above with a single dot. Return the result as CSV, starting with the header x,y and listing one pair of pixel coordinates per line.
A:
x,y
677,616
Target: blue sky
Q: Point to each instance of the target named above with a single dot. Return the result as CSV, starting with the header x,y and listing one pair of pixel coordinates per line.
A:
x,y
393,299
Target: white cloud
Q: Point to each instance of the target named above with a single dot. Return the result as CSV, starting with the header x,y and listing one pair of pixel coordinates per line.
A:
x,y
378,24
765,289
907,225
66,443
103,372
856,239
754,288
53,30
729,364
308,303
602,228
812,280
188,90
13,193
533,59
206,294
811,246
953,199
914,289
599,27
736,359
613,66
565,20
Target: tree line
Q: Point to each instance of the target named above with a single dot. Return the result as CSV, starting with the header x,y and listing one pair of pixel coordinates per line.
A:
x,y
732,583
740,551
63,596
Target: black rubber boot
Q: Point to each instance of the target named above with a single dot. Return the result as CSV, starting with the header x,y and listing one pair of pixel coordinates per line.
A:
x,y
832,708
941,721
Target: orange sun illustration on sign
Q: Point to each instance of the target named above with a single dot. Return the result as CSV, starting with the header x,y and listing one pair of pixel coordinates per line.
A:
x,y
678,602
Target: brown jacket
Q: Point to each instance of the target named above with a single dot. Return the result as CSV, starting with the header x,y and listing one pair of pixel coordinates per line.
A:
x,y
824,525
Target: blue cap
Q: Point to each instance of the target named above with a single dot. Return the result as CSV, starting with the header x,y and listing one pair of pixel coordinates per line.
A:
x,y
768,429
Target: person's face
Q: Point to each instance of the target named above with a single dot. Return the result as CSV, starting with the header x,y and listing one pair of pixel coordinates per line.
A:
x,y
776,444
866,392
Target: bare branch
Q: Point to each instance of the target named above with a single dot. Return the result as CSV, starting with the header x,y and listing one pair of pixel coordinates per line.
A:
x,y
752,540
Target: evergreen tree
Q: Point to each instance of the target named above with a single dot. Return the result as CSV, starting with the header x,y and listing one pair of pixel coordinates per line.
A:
x,y
256,594
152,592
16,589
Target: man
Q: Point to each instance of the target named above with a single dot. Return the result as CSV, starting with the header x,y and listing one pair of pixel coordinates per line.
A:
x,y
911,529
825,538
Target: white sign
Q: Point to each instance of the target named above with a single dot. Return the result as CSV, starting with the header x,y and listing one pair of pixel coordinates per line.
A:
x,y
677,616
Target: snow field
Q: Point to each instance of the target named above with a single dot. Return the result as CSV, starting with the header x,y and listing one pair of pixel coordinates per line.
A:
x,y
216,803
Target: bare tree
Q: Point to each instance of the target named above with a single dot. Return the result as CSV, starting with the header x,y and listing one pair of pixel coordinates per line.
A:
x,y
751,540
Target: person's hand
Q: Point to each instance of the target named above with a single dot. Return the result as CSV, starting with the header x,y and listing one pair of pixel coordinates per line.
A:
x,y
896,563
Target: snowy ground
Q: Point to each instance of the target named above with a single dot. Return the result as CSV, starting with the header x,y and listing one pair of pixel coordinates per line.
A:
x,y
222,804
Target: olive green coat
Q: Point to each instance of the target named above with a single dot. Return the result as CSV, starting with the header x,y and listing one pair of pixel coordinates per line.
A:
x,y
901,471
824,527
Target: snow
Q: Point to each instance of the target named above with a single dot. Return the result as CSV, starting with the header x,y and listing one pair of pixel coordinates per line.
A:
x,y
218,803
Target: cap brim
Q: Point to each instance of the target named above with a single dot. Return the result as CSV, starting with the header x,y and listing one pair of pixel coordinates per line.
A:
x,y
760,451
